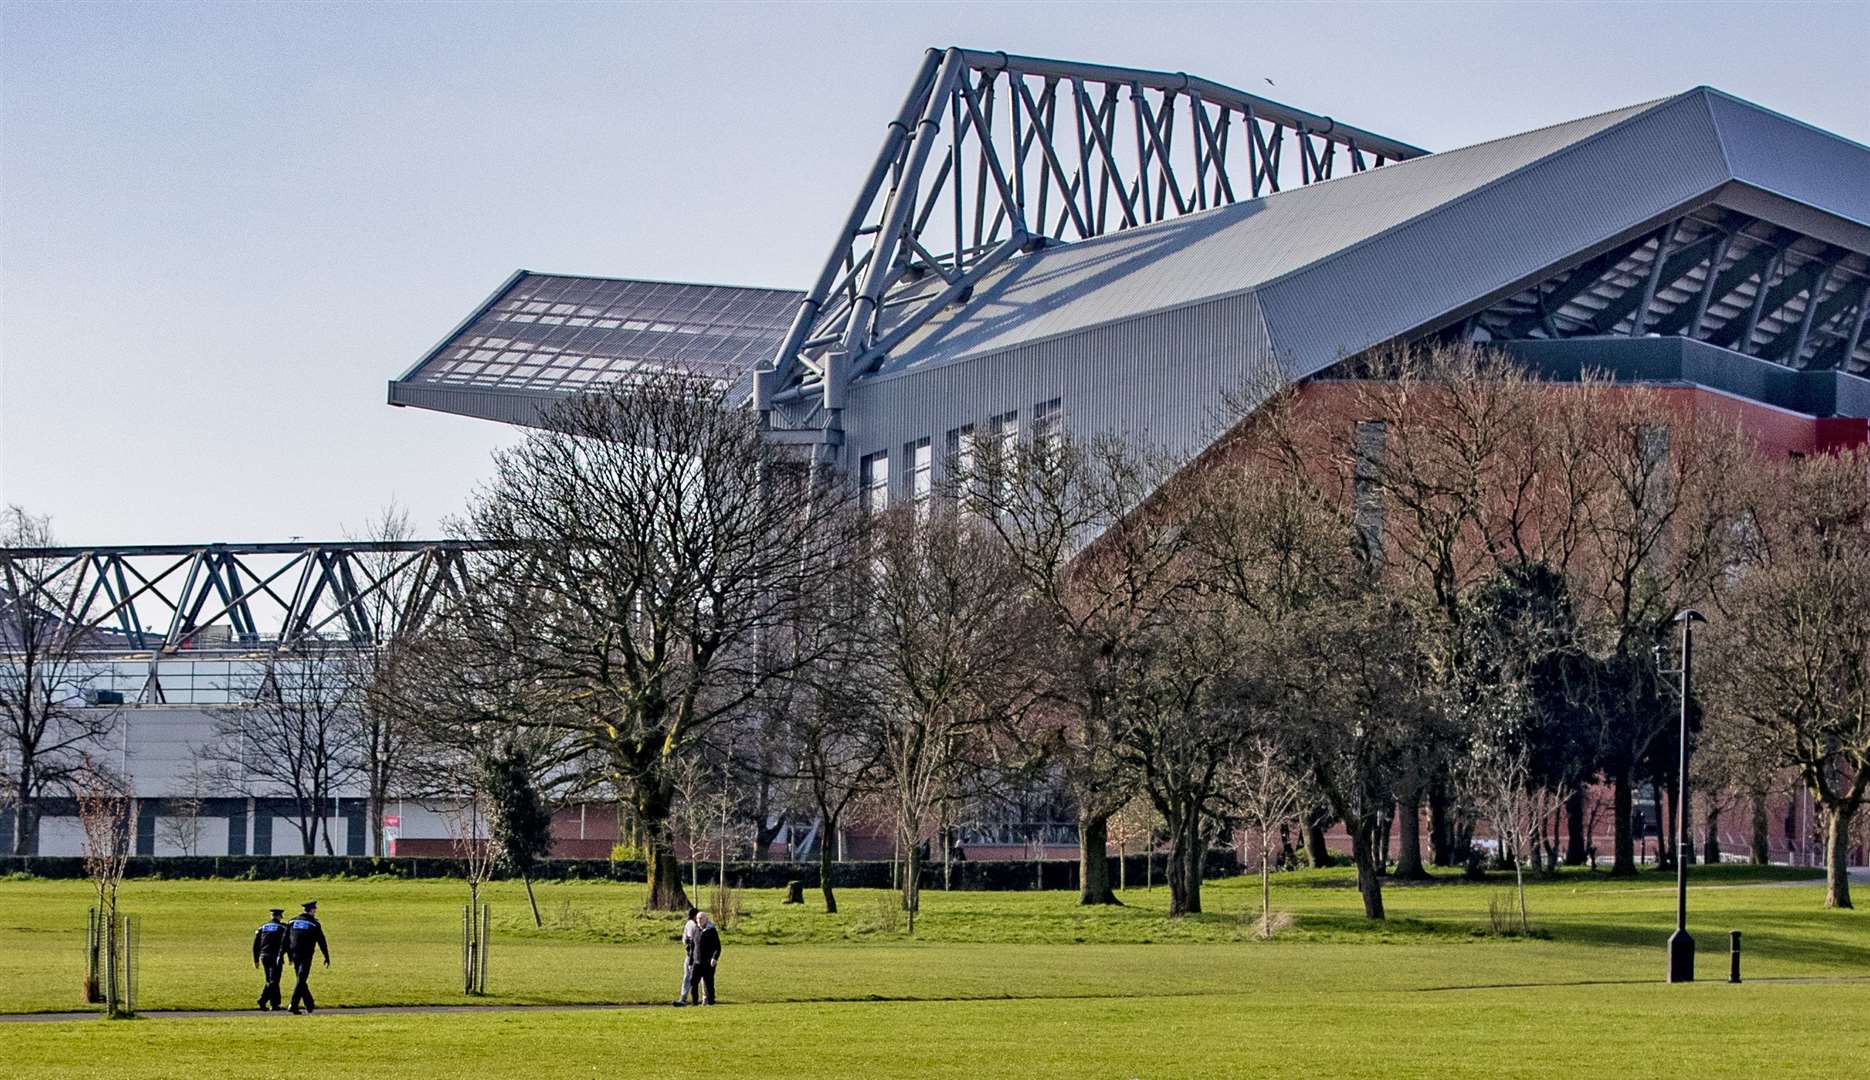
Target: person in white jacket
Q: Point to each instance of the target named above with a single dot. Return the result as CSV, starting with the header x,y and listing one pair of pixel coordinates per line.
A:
x,y
689,930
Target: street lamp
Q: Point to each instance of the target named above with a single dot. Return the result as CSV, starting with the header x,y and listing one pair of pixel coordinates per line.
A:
x,y
1681,946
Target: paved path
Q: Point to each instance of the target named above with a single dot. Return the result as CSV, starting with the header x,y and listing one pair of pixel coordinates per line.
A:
x,y
361,1010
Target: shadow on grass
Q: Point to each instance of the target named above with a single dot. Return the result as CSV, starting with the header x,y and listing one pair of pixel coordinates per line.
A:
x,y
1779,938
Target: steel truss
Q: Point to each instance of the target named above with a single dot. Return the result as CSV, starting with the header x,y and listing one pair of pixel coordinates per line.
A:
x,y
1715,275
992,155
223,601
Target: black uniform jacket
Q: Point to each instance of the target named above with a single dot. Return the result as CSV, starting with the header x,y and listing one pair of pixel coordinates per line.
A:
x,y
303,934
269,940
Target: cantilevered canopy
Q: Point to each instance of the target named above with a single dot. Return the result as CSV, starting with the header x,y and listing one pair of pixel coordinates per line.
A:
x,y
545,335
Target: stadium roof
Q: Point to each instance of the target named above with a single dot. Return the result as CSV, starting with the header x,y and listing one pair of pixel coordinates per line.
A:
x,y
1350,262
1698,215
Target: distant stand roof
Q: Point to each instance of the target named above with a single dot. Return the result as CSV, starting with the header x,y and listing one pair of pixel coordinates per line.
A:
x,y
541,336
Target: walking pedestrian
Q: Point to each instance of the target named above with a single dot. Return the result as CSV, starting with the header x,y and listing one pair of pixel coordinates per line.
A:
x,y
269,954
304,935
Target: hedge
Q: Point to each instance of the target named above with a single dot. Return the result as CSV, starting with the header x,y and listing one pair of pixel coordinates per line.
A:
x,y
1004,876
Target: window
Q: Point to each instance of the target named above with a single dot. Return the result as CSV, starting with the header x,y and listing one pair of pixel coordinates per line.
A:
x,y
1005,429
1366,484
960,459
919,470
1047,423
873,473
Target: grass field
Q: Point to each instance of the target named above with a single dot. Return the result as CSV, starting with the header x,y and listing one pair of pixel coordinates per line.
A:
x,y
1017,984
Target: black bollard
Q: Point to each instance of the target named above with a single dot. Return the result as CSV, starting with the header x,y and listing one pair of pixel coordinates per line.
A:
x,y
1733,971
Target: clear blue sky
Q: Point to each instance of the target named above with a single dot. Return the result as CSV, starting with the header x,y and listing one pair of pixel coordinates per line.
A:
x,y
223,227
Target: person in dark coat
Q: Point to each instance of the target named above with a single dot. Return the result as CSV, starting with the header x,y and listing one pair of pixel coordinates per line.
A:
x,y
707,956
269,954
304,934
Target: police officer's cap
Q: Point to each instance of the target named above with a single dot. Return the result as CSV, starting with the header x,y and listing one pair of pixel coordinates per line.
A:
x,y
311,905
277,912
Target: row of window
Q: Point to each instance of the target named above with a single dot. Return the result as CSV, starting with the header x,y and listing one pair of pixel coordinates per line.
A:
x,y
917,459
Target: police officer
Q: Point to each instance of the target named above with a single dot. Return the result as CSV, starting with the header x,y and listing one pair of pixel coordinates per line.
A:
x,y
304,934
269,954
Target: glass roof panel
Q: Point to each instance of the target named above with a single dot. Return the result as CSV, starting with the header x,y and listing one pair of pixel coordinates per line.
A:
x,y
549,332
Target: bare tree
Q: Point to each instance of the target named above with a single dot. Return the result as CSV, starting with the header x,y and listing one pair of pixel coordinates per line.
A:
x,y
947,637
181,823
1793,660
45,726
378,669
660,536
1105,574
1185,721
1497,776
693,810
104,815
1263,790
1133,828
835,748
1328,661
1461,467
1661,527
469,813
297,740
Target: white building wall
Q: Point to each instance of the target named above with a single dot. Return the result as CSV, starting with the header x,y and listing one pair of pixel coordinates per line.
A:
x,y
61,836
157,746
1162,379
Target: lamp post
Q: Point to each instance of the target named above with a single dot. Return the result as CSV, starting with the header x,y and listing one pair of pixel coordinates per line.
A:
x,y
1681,946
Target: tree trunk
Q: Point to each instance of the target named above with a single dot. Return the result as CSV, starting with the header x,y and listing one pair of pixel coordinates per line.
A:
x,y
652,804
1094,860
1409,830
1440,830
25,828
1623,808
373,806
663,871
1838,854
1711,844
1519,877
826,838
763,837
1575,844
1369,884
912,882
1665,829
1685,819
1266,893
1186,856
1762,844
533,900
1315,850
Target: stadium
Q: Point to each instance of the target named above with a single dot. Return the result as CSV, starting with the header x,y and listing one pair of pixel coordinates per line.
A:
x,y
1049,245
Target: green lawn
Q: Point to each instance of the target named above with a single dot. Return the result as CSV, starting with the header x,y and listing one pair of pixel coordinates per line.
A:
x,y
1020,984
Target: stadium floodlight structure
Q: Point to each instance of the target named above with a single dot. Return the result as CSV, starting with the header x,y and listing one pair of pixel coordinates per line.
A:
x,y
143,606
993,155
